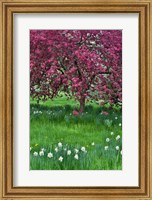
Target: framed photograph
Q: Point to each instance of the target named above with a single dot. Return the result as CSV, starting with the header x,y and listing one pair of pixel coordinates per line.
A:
x,y
76,99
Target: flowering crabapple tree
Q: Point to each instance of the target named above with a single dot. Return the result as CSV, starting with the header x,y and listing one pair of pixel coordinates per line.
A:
x,y
84,64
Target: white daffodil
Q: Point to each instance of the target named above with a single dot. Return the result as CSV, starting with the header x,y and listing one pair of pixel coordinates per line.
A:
x,y
107,139
92,144
106,148
50,155
112,133
60,159
59,144
56,149
120,124
35,153
69,152
41,153
83,149
76,156
118,137
76,150
117,148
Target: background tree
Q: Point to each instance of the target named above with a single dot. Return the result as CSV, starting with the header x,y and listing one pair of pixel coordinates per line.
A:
x,y
84,64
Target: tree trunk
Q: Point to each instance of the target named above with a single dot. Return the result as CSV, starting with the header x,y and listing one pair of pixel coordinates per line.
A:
x,y
82,105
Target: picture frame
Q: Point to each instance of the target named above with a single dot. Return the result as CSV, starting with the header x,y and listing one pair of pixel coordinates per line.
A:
x,y
8,9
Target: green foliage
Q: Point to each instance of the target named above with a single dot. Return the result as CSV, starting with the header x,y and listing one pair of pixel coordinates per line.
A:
x,y
53,122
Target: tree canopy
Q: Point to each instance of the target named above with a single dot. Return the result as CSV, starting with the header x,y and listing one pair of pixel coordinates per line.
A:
x,y
84,64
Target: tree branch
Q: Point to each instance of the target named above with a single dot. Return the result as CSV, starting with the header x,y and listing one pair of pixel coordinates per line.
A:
x,y
79,72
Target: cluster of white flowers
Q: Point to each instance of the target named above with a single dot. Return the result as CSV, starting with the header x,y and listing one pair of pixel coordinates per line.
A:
x,y
37,112
108,140
41,152
49,112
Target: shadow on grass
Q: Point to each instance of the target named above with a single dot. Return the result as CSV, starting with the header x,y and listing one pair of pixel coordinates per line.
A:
x,y
91,114
67,108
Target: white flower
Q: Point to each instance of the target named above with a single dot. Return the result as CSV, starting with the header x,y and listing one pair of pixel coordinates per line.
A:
x,y
68,152
65,149
56,149
60,158
43,149
106,147
35,153
76,156
83,149
118,137
117,148
59,144
120,124
41,153
116,117
50,155
107,139
112,133
92,143
76,150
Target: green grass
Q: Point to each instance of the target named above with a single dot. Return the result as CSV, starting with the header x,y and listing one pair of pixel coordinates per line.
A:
x,y
54,123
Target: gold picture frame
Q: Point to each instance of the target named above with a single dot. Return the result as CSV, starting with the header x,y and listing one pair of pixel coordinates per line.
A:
x,y
144,9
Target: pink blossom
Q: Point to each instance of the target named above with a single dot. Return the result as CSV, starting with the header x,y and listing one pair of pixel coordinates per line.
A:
x,y
75,113
104,113
101,103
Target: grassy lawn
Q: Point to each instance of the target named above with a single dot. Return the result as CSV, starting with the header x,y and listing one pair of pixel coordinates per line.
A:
x,y
89,141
